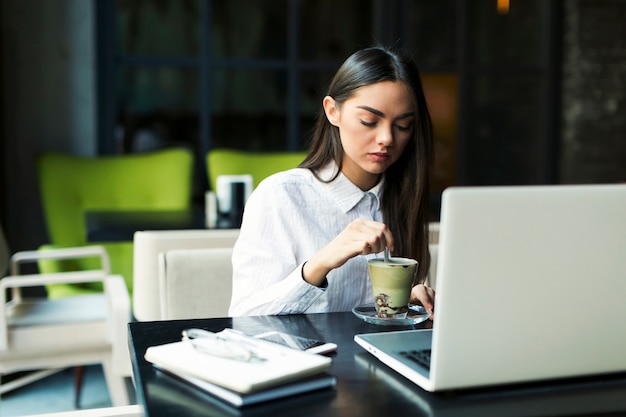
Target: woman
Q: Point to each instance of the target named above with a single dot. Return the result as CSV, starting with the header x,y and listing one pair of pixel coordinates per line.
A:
x,y
307,233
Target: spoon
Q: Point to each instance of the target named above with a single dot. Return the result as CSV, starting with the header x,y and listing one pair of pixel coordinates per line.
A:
x,y
386,254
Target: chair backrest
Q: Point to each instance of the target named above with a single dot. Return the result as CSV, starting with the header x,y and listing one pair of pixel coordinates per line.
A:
x,y
431,280
433,233
195,283
258,164
71,185
433,248
147,247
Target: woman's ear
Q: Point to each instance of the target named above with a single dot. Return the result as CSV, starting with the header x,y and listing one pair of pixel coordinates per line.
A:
x,y
332,113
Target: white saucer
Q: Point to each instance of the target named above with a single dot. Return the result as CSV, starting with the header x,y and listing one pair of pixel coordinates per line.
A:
x,y
416,315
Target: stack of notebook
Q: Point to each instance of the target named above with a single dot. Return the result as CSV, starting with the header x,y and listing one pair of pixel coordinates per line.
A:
x,y
240,369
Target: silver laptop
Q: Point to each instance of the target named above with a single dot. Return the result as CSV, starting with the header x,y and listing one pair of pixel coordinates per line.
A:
x,y
531,286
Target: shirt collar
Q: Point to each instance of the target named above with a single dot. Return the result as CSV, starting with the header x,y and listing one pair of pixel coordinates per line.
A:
x,y
345,192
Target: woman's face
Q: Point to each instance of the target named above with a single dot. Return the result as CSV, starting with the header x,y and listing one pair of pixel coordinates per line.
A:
x,y
375,125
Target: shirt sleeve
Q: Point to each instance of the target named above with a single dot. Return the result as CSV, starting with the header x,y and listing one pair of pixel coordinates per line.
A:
x,y
267,260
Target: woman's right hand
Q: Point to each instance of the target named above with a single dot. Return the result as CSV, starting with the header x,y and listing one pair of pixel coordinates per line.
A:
x,y
361,237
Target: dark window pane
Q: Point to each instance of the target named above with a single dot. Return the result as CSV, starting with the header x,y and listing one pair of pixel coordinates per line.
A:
x,y
249,29
505,143
154,27
157,108
513,39
313,87
333,30
249,109
146,89
430,32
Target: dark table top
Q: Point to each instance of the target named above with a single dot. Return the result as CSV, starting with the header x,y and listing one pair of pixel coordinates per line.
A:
x,y
365,387
121,225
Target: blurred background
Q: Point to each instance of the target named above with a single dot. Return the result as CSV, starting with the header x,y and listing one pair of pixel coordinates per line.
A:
x,y
520,91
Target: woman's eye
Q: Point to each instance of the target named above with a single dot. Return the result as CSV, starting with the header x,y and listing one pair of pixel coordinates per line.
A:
x,y
404,128
368,124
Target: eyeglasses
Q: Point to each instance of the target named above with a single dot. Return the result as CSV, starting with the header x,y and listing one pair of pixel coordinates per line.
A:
x,y
216,345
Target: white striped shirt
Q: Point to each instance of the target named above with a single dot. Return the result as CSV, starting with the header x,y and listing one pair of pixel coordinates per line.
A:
x,y
288,218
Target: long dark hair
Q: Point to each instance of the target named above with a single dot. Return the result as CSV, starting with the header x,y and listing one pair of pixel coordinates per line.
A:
x,y
406,188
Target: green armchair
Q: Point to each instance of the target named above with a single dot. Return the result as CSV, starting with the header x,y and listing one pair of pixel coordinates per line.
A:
x,y
72,185
258,164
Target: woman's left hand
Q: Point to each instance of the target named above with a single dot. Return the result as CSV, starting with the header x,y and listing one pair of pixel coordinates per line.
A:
x,y
424,296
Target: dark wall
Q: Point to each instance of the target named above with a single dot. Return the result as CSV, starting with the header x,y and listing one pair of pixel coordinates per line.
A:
x,y
593,132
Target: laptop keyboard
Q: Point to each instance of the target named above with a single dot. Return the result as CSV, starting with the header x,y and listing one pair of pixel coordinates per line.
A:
x,y
421,357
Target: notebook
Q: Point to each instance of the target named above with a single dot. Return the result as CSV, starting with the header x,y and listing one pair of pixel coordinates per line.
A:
x,y
234,398
531,286
276,364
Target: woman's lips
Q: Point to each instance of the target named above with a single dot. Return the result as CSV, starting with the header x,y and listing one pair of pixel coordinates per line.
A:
x,y
379,156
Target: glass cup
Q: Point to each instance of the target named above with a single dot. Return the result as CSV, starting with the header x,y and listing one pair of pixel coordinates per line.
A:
x,y
391,284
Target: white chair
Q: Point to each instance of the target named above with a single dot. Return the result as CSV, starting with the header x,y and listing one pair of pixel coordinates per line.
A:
x,y
433,248
147,247
431,279
38,334
195,283
433,233
122,411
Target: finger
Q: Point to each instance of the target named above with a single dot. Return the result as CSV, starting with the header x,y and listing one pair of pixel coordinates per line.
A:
x,y
429,300
367,248
381,236
375,245
424,296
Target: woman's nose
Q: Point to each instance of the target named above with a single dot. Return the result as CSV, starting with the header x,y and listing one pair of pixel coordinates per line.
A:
x,y
385,136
